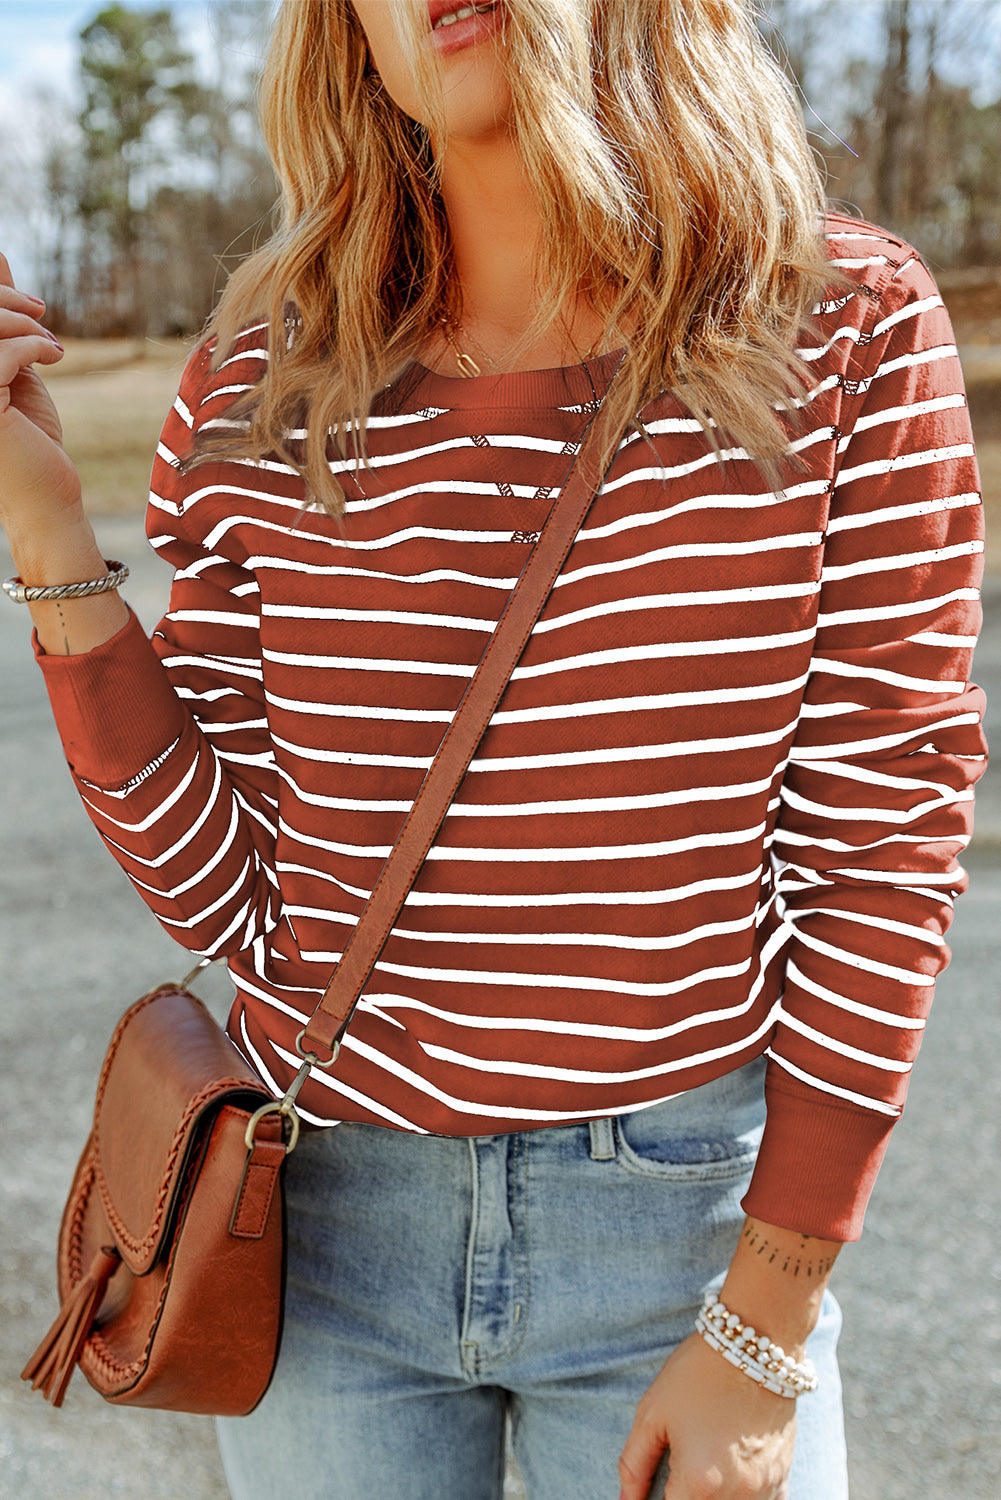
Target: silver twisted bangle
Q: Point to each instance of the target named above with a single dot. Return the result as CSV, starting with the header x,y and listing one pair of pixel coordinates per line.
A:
x,y
752,1353
23,593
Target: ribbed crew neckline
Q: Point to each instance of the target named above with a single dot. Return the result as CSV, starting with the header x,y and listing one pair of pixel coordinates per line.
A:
x,y
565,385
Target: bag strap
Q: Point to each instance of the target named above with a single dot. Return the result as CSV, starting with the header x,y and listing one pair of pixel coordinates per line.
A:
x,y
322,1034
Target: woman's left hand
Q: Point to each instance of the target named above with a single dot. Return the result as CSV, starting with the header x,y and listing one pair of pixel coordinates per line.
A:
x,y
729,1438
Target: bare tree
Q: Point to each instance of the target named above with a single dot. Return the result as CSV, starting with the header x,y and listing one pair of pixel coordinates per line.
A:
x,y
908,93
895,96
134,72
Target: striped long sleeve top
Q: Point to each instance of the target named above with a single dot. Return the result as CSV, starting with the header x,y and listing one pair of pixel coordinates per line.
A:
x,y
716,813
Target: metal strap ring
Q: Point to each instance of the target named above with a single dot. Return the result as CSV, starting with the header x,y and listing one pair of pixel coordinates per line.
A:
x,y
311,1057
273,1107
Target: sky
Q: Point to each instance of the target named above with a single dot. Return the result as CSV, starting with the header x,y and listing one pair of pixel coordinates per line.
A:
x,y
38,50
38,38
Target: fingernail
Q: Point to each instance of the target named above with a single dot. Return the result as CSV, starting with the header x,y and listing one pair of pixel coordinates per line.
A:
x,y
38,301
52,339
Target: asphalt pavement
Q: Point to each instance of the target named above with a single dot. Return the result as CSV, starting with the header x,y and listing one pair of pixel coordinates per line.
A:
x,y
921,1351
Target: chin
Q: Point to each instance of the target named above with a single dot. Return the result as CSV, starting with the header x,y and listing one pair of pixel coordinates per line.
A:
x,y
483,116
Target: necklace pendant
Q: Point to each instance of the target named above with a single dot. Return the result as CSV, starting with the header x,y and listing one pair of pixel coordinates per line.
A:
x,y
467,365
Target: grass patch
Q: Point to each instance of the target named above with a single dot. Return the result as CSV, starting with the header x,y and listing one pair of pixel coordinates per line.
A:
x,y
112,405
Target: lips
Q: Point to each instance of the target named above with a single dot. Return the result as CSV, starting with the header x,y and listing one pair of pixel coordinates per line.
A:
x,y
455,37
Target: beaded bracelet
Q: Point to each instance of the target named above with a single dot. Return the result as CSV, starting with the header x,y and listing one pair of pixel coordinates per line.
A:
x,y
752,1353
22,593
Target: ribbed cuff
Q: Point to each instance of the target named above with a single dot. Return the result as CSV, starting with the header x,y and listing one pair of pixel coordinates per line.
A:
x,y
114,706
818,1161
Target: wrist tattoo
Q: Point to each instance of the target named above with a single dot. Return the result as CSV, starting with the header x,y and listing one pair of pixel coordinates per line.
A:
x,y
797,1261
62,626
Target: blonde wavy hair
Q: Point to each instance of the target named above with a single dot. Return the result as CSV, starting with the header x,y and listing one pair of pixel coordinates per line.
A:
x,y
676,188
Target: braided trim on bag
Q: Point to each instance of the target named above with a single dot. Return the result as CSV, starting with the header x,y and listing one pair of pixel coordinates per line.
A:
x,y
95,1348
142,1246
98,1351
194,1109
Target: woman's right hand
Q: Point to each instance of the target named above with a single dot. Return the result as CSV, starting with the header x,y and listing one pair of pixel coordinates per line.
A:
x,y
40,484
41,500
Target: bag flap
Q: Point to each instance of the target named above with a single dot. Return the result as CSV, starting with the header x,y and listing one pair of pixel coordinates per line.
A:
x,y
168,1068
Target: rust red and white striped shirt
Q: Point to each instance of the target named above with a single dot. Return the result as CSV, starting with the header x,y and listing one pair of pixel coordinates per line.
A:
x,y
717,811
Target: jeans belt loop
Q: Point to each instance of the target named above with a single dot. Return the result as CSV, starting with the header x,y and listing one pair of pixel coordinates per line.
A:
x,y
602,1139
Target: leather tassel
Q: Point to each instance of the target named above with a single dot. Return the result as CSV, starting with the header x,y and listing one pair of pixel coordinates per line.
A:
x,y
51,1366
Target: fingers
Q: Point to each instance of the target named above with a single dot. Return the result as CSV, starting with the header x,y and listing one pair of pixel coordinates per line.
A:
x,y
23,342
16,357
12,297
22,302
15,323
638,1464
8,289
17,354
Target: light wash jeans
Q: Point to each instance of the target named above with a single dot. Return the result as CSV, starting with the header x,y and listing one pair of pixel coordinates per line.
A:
x,y
436,1285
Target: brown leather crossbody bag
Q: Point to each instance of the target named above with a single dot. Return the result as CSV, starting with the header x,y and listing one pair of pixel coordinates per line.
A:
x,y
171,1249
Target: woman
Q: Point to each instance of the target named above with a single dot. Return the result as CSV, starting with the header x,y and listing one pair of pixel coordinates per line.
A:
x,y
715,819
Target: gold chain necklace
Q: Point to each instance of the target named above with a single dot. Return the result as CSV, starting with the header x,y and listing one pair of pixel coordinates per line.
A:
x,y
468,366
